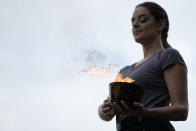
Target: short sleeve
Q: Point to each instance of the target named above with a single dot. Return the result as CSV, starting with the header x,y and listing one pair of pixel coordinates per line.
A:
x,y
170,57
124,70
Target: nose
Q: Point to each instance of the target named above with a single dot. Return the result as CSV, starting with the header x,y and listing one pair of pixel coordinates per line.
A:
x,y
135,24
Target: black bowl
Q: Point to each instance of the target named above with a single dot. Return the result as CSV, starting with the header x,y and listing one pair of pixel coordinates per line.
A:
x,y
129,92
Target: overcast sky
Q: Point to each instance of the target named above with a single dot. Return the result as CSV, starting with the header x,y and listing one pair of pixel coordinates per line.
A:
x,y
45,45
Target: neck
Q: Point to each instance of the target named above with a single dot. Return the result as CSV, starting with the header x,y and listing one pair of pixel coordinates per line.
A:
x,y
151,47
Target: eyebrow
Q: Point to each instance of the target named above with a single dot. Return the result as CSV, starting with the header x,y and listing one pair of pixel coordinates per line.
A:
x,y
132,19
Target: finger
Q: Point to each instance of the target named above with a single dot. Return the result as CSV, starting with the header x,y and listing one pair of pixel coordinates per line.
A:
x,y
109,99
108,113
118,109
106,100
106,105
127,108
138,106
105,110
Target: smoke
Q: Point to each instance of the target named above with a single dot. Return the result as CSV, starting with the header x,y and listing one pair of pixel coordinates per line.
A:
x,y
93,62
94,56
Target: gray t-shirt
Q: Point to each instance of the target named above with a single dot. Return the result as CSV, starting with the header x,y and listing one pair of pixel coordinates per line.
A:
x,y
149,75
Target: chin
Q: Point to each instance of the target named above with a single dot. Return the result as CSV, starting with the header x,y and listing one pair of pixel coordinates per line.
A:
x,y
138,39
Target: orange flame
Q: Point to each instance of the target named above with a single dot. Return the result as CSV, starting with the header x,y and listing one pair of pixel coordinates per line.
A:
x,y
105,73
120,79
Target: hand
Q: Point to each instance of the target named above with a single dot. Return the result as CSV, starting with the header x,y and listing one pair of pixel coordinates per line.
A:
x,y
106,108
138,111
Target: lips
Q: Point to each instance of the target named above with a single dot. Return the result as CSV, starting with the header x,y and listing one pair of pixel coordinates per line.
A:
x,y
136,32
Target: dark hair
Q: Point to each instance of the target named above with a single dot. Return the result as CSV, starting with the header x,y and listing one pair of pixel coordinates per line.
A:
x,y
159,14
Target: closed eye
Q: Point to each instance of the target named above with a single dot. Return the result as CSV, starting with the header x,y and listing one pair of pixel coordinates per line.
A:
x,y
142,18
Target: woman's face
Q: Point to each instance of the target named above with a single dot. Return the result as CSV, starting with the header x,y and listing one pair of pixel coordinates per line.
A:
x,y
144,26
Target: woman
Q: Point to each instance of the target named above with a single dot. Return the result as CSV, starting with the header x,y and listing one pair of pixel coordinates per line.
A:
x,y
162,73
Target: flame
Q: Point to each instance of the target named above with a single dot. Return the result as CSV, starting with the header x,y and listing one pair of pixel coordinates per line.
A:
x,y
95,70
120,79
104,72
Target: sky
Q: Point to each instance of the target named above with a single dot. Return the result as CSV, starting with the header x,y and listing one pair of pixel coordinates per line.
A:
x,y
45,46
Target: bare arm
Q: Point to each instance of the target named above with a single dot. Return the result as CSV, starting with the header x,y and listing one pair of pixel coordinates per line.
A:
x,y
176,80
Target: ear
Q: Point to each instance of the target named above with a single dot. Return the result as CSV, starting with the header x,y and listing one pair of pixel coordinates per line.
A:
x,y
162,25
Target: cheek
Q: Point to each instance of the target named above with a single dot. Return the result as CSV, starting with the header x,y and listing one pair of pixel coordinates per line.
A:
x,y
132,29
150,29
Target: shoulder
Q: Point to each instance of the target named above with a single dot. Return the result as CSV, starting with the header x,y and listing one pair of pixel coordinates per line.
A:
x,y
170,51
126,68
169,57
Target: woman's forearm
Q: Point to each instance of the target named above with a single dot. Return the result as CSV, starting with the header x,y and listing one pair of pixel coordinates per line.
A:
x,y
173,113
